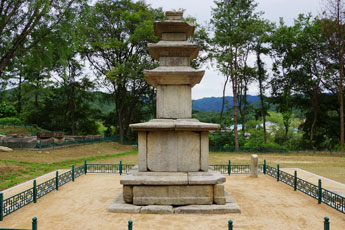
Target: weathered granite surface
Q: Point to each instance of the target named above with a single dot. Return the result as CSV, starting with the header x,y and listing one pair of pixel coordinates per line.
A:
x,y
254,165
119,206
173,173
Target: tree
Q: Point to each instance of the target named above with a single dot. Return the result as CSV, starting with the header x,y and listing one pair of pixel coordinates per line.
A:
x,y
117,34
263,29
20,19
311,69
283,51
334,22
232,21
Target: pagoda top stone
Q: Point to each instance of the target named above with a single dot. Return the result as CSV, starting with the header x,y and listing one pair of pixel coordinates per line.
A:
x,y
174,25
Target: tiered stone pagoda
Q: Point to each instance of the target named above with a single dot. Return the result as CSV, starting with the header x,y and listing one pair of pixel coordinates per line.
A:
x,y
173,173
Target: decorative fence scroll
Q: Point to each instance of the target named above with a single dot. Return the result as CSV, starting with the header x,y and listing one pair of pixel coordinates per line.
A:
x,y
325,196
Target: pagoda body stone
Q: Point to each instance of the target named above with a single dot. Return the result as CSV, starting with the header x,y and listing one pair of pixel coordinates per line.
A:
x,y
173,148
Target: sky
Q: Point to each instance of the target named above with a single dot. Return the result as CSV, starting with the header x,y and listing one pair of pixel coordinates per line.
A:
x,y
212,83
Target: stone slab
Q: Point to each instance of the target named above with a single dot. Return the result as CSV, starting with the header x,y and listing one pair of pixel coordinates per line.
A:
x,y
208,209
142,151
254,166
157,209
119,206
172,26
174,124
218,194
173,49
174,101
170,151
172,62
172,178
173,75
210,177
173,195
204,151
155,178
128,193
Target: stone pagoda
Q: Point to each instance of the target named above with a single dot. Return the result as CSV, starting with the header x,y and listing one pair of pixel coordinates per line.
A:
x,y
173,173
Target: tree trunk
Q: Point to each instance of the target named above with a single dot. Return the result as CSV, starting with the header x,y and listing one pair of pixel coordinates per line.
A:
x,y
223,101
19,95
315,105
234,91
261,78
74,109
341,105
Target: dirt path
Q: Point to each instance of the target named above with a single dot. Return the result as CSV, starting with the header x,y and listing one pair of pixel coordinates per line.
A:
x,y
266,205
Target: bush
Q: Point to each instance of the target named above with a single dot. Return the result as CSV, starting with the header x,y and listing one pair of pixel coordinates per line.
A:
x,y
10,120
7,110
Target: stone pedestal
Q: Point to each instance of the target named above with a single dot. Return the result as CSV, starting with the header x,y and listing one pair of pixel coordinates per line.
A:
x,y
174,148
254,165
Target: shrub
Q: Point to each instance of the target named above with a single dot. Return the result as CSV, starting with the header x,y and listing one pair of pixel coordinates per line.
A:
x,y
7,110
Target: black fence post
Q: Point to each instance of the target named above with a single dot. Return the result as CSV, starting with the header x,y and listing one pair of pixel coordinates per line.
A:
x,y
229,167
120,168
1,206
326,223
34,223
35,191
73,173
57,180
295,181
278,172
265,166
85,167
319,192
230,225
130,225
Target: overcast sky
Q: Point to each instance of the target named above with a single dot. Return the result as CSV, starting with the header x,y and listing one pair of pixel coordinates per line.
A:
x,y
211,85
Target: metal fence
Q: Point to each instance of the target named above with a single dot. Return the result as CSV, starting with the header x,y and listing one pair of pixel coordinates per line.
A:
x,y
14,203
31,195
235,169
325,196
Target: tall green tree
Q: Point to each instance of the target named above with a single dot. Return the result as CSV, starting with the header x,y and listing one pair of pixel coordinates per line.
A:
x,y
117,34
334,28
283,52
20,19
232,22
263,29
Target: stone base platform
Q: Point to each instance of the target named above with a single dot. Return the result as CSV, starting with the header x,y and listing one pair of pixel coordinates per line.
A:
x,y
120,206
173,188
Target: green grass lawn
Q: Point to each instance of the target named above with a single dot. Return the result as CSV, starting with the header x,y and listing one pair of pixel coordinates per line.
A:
x,y
21,165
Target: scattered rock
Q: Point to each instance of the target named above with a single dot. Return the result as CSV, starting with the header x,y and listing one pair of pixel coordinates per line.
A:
x,y
5,149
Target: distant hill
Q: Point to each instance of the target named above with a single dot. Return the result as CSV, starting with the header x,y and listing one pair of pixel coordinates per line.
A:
x,y
214,104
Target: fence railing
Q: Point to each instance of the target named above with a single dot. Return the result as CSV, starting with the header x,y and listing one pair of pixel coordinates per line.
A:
x,y
326,225
31,195
235,169
322,195
276,150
